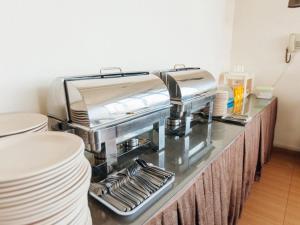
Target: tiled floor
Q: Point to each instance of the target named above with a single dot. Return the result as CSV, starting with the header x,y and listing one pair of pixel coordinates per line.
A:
x,y
275,199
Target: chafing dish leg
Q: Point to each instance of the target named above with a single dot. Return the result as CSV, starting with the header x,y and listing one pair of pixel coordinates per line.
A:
x,y
211,107
186,143
111,152
158,134
188,120
208,139
161,159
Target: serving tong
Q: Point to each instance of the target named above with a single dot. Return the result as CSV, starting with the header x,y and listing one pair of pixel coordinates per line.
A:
x,y
130,187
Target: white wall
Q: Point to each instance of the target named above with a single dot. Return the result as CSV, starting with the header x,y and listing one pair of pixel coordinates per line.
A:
x,y
40,40
260,37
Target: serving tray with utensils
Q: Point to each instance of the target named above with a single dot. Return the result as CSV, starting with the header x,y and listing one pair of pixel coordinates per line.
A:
x,y
128,191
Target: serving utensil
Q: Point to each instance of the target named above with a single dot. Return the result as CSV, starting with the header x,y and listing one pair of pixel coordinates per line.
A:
x,y
126,191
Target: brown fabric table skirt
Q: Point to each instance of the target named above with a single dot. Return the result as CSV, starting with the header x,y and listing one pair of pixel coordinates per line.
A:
x,y
267,127
214,197
251,153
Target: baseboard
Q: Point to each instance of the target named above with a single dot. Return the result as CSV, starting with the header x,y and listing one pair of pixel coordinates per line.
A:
x,y
286,147
286,152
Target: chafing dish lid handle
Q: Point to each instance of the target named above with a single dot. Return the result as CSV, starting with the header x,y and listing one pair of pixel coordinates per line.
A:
x,y
110,69
120,73
178,66
182,67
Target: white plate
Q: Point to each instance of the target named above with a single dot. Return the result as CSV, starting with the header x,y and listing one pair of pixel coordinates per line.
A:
x,y
40,206
80,115
220,106
84,217
43,128
78,106
40,216
76,112
12,123
23,188
67,214
81,217
75,182
221,101
89,219
220,110
81,120
46,190
32,154
41,178
57,212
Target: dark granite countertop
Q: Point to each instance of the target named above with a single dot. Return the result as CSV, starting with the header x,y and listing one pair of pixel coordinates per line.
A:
x,y
183,155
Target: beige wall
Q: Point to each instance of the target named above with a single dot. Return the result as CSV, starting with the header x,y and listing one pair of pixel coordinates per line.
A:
x,y
40,40
261,30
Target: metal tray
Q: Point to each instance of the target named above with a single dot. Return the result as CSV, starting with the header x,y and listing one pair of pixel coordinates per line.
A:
x,y
144,204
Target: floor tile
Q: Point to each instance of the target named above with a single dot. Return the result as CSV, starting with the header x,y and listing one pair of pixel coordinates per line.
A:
x,y
275,169
275,199
252,218
292,216
266,206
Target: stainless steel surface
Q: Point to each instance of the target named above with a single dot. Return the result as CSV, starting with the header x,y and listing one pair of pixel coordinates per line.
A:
x,y
131,143
177,160
172,122
186,84
119,209
128,191
107,110
103,101
111,99
191,90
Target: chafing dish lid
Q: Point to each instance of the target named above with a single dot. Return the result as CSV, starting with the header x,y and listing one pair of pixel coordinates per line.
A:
x,y
107,98
187,83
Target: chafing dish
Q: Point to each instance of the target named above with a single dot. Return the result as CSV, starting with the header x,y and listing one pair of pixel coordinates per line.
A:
x,y
191,90
112,112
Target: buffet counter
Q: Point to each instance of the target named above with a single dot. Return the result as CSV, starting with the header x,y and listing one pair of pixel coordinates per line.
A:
x,y
212,182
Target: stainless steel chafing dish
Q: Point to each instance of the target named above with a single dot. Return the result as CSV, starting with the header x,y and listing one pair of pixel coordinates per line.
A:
x,y
111,111
191,90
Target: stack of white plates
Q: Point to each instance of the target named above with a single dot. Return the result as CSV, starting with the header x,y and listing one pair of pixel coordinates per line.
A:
x,y
20,123
220,104
44,179
79,114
